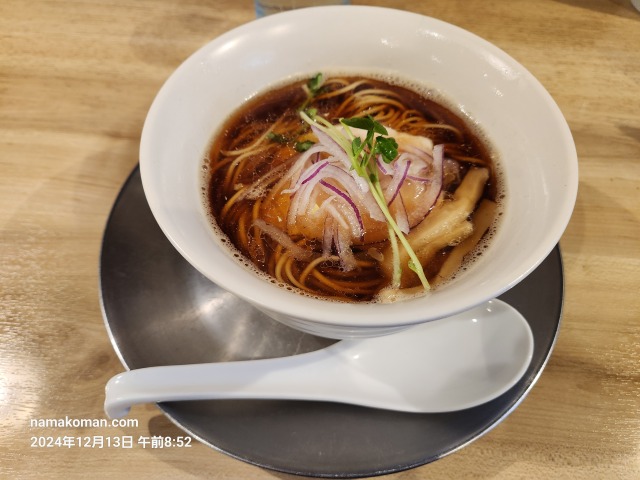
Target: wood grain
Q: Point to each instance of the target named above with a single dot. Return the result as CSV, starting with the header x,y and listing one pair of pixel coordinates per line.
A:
x,y
76,80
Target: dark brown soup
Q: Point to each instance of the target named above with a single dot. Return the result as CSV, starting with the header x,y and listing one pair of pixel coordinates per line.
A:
x,y
330,211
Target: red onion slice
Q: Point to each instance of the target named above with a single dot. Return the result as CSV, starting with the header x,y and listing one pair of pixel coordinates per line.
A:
x,y
297,168
413,167
334,236
349,201
283,239
382,167
327,236
435,186
400,175
401,216
334,213
331,146
319,166
343,245
299,203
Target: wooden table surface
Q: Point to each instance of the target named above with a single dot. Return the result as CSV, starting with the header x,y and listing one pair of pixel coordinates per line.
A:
x,y
76,80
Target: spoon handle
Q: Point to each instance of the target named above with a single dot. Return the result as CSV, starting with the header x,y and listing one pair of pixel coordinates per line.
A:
x,y
266,379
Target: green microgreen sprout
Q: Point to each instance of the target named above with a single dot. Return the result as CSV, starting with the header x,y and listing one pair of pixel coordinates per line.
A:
x,y
312,88
277,137
303,146
315,83
298,146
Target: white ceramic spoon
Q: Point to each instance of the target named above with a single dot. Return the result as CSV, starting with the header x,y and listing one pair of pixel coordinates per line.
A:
x,y
444,365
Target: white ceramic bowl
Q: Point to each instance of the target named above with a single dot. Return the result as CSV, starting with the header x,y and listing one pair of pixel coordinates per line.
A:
x,y
521,120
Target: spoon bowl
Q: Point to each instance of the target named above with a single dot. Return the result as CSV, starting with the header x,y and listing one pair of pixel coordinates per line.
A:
x,y
446,365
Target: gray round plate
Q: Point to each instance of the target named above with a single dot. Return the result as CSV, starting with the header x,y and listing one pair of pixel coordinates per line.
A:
x,y
159,310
